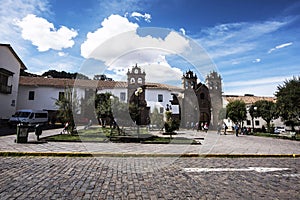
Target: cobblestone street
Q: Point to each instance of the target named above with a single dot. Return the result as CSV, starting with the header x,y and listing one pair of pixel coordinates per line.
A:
x,y
146,178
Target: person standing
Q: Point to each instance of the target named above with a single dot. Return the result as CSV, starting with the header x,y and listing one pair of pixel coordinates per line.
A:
x,y
225,128
205,127
236,128
219,129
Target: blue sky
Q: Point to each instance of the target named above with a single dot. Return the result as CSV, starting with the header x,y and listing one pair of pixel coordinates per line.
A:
x,y
253,44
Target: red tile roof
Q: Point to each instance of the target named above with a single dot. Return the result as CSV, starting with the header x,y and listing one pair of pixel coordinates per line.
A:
x,y
61,83
248,99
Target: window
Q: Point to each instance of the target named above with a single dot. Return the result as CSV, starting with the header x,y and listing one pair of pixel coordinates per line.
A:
x,y
61,96
41,115
5,86
160,98
140,80
248,122
31,95
202,96
122,96
161,110
13,103
256,123
132,80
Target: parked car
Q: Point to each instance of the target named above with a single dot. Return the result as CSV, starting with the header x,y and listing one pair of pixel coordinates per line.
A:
x,y
29,117
279,129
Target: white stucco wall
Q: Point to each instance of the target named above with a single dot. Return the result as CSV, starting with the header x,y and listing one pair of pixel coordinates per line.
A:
x,y
152,98
261,122
116,92
10,63
44,97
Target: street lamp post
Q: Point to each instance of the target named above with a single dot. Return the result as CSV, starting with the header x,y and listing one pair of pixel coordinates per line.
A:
x,y
254,110
111,117
137,93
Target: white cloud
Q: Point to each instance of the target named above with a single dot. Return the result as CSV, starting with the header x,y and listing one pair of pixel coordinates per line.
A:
x,y
182,31
280,46
62,54
128,48
162,73
137,16
221,40
44,35
260,87
111,26
11,10
262,81
257,60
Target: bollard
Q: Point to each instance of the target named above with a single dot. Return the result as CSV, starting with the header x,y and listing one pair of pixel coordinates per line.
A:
x,y
22,133
38,131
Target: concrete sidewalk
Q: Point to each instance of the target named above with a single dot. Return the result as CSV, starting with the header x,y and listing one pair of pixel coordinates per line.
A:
x,y
212,145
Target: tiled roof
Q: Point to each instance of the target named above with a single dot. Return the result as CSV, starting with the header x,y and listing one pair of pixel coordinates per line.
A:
x,y
248,99
162,86
61,83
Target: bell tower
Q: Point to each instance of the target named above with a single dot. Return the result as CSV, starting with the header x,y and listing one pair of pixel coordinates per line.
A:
x,y
214,84
135,79
136,90
189,80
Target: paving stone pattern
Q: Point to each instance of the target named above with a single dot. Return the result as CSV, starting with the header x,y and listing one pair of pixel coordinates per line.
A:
x,y
212,144
124,178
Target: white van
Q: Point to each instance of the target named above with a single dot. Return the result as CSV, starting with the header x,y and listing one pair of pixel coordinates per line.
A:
x,y
29,117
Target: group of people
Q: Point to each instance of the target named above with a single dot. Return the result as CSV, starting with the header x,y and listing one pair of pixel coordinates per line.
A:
x,y
197,126
236,129
224,126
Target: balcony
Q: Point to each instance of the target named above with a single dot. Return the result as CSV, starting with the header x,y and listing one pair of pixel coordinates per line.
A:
x,y
5,89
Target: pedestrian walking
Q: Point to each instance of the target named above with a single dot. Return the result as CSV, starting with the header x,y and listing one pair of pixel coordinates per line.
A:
x,y
236,128
225,128
196,126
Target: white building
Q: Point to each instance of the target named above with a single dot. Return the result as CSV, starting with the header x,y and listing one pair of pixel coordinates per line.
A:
x,y
249,100
10,66
41,93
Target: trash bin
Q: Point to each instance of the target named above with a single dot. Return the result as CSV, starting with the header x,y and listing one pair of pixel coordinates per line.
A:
x,y
38,131
22,133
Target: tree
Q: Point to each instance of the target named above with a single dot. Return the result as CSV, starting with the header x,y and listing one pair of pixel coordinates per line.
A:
x,y
236,111
157,118
120,112
63,74
103,107
288,98
253,113
102,77
222,114
266,110
171,124
67,105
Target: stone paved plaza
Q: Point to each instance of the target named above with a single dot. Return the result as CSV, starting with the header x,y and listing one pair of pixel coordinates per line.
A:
x,y
147,178
148,171
213,143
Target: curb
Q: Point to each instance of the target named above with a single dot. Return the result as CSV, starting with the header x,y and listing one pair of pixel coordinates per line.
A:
x,y
103,154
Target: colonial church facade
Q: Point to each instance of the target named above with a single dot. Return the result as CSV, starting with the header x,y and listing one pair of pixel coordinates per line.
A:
x,y
194,103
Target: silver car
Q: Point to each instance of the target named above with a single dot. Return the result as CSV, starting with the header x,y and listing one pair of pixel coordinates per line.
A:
x,y
279,129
